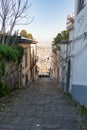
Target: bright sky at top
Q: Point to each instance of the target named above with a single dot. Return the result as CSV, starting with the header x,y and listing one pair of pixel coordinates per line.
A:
x,y
49,18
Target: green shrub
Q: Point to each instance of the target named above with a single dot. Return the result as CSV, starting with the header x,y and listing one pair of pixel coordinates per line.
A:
x,y
8,90
2,68
11,53
4,90
84,110
20,50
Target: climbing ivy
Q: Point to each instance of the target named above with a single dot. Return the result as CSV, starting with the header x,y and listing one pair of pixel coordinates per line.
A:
x,y
8,54
11,53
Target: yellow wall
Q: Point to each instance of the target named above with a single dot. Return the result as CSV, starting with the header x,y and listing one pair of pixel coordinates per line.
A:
x,y
25,70
31,51
34,56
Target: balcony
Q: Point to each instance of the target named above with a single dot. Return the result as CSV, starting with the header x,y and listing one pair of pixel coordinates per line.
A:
x,y
70,22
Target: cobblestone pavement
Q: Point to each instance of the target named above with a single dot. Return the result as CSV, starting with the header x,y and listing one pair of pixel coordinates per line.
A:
x,y
43,106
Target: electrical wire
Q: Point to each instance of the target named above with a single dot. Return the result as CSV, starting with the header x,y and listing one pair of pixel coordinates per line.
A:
x,y
81,51
81,48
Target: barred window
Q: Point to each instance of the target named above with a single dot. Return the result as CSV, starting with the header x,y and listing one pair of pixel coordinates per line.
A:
x,y
80,5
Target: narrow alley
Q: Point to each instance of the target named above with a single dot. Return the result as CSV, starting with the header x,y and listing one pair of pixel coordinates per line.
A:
x,y
42,106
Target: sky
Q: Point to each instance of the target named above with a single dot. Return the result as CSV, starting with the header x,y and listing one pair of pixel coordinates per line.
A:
x,y
49,18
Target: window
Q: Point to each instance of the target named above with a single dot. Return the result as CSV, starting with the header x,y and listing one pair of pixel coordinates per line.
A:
x,y
80,5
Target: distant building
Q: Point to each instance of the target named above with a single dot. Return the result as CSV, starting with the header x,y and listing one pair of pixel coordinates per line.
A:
x,y
43,53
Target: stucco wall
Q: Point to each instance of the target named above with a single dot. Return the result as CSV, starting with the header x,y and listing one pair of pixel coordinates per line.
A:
x,y
26,70
81,20
79,92
79,79
80,48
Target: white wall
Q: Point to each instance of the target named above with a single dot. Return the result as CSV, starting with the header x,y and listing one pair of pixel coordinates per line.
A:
x,y
63,50
62,65
80,68
80,48
71,34
70,52
81,21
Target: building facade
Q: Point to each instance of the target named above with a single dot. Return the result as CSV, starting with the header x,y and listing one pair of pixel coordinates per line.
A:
x,y
69,64
63,65
79,79
54,62
28,65
33,61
